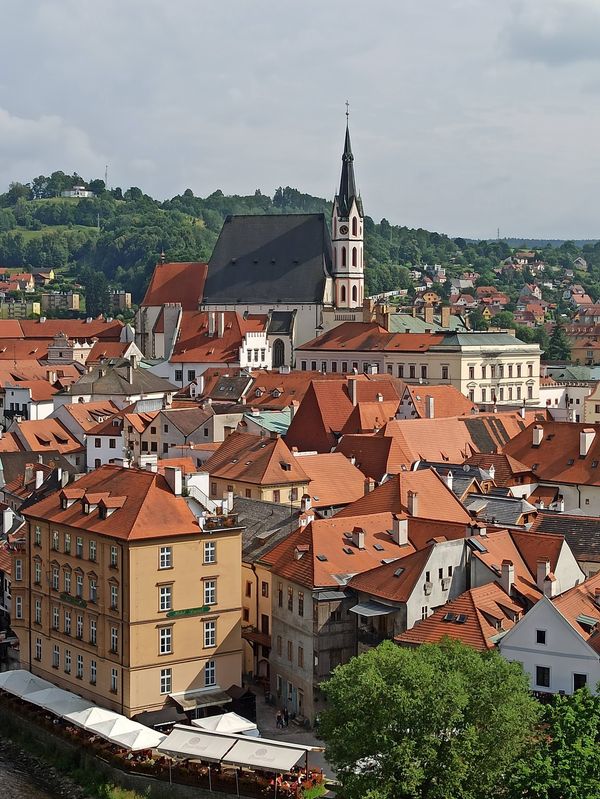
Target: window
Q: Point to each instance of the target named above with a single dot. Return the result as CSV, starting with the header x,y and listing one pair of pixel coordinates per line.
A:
x,y
179,375
280,595
300,603
277,495
518,392
210,552
542,676
97,463
265,588
112,443
38,648
290,649
93,632
529,370
55,578
471,373
300,656
290,599
55,618
55,656
427,577
166,428
37,611
441,573
165,597
114,557
579,681
37,572
67,622
518,370
303,366
449,571
412,370
97,443
279,645
79,627
93,590
248,588
67,661
92,550
114,676
114,639
166,681
424,612
37,536
445,373
472,394
114,597
401,370
510,370
483,395
79,585
18,607
210,592
424,371
540,636
55,540
210,633
165,558
530,392
93,672
67,581
18,569
165,640
79,670
210,673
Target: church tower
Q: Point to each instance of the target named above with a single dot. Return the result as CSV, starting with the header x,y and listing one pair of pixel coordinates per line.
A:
x,y
347,236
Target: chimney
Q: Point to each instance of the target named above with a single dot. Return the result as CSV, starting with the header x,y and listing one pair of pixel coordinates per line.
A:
x,y
358,538
200,384
538,434
369,485
428,313
173,478
39,479
211,323
550,586
429,407
352,390
560,504
445,316
508,576
450,480
130,368
586,439
413,503
492,471
7,520
305,503
220,324
543,570
229,501
522,412
379,397
400,530
293,408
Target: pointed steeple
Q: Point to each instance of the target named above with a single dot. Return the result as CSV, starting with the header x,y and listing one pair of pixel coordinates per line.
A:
x,y
347,190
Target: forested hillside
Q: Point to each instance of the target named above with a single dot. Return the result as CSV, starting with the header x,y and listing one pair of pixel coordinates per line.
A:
x,y
120,234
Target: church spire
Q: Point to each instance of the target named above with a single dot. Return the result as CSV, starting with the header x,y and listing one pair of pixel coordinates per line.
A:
x,y
347,190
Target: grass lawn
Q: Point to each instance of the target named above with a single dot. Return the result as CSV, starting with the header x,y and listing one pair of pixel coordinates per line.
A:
x,y
33,234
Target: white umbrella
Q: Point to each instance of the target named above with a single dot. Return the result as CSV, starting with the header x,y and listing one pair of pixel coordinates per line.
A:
x,y
143,738
116,725
89,716
21,682
226,722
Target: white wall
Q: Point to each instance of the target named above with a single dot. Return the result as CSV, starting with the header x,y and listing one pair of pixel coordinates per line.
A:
x,y
443,555
565,651
104,452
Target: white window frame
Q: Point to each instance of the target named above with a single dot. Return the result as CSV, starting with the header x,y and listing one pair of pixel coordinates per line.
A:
x,y
210,552
18,607
166,681
210,673
114,681
210,592
165,641
210,634
93,672
165,558
79,667
165,598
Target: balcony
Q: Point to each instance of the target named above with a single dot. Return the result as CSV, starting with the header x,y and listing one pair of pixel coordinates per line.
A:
x,y
370,637
254,636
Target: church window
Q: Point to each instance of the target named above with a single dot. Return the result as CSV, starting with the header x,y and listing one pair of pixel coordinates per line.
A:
x,y
354,294
343,256
278,353
354,226
354,256
343,294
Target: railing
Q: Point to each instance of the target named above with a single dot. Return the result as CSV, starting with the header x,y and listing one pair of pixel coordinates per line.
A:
x,y
195,493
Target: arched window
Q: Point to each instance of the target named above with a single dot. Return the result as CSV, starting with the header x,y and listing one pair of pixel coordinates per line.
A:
x,y
343,294
354,227
354,294
278,353
343,256
354,256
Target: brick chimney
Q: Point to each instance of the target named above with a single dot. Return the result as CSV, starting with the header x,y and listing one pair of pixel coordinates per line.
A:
x,y
428,313
445,316
358,538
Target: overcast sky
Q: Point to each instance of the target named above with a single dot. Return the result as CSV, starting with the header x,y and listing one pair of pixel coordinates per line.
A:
x,y
466,115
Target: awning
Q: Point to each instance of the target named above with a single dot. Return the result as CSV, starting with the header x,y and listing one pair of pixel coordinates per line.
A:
x,y
259,754
372,608
189,742
20,682
192,700
161,718
57,701
91,715
139,738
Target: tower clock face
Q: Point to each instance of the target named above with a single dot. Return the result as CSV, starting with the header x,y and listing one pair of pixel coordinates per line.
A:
x,y
343,229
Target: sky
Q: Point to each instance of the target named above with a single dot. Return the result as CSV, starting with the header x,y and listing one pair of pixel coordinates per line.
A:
x,y
466,115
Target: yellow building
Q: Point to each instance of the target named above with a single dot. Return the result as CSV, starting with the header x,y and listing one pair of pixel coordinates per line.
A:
x,y
591,406
125,597
257,467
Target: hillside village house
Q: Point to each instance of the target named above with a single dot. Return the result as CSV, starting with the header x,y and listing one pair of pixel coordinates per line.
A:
x,y
488,368
124,596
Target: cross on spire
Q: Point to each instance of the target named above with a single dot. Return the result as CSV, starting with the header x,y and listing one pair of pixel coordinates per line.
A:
x,y
347,110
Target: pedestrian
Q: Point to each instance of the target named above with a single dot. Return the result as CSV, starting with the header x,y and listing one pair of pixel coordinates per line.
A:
x,y
279,721
286,716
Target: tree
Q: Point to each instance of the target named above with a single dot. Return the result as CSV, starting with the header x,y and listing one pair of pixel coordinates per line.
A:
x,y
97,294
477,321
565,762
437,722
504,319
559,348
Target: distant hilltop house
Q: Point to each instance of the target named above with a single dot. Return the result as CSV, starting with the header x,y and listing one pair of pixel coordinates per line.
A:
x,y
77,191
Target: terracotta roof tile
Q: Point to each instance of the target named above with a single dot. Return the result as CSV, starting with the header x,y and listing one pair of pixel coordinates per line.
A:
x,y
255,459
580,601
73,328
393,581
507,469
177,282
334,480
47,434
195,345
448,401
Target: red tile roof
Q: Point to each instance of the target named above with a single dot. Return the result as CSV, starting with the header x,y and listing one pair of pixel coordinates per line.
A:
x,y
370,337
147,507
40,390
333,479
484,612
375,456
47,434
386,581
107,349
73,328
177,282
255,459
580,601
447,401
195,345
508,470
367,417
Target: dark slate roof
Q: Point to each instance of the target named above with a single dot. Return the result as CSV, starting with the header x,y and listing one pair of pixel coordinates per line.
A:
x,y
13,463
281,322
582,533
270,259
230,388
499,510
187,420
112,380
265,524
347,191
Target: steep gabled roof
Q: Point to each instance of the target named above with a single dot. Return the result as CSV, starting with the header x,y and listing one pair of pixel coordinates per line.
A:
x,y
181,282
581,601
367,417
507,469
46,434
393,581
447,401
581,532
334,480
195,345
375,456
